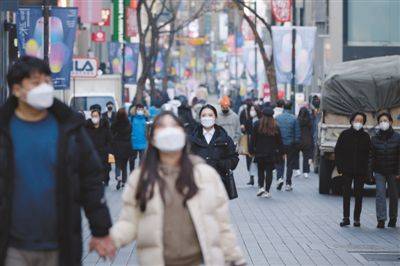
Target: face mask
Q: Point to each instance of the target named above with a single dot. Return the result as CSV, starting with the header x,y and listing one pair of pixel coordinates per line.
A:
x,y
384,126
225,111
253,113
140,112
109,108
207,122
95,120
170,139
40,97
357,126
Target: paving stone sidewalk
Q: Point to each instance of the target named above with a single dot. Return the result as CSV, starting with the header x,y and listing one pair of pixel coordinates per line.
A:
x,y
291,228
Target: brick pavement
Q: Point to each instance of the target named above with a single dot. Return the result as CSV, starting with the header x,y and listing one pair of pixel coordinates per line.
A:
x,y
291,228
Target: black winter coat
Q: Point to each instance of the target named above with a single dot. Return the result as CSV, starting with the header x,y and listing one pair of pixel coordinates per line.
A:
x,y
352,153
386,152
111,120
186,116
79,183
121,139
220,153
101,138
264,147
306,134
247,121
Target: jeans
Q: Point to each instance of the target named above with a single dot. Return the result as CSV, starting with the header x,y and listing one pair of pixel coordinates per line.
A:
x,y
358,194
133,157
121,164
18,257
381,211
307,155
280,170
290,151
265,174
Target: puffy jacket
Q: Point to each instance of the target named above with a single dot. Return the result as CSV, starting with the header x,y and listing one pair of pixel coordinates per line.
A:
x,y
220,153
208,209
230,122
352,152
139,129
121,139
265,147
289,127
101,138
78,174
386,152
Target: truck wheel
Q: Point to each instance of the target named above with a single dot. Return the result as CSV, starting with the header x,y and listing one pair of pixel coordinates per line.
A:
x,y
325,172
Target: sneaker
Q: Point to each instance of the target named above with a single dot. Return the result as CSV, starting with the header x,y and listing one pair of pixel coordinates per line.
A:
x,y
266,195
392,223
356,224
296,173
345,222
260,192
305,175
288,188
381,224
280,184
119,185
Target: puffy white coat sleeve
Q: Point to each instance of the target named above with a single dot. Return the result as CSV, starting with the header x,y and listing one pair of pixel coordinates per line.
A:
x,y
229,243
124,231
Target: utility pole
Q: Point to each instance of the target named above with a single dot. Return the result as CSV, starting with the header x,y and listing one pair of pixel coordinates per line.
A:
x,y
255,51
46,35
293,85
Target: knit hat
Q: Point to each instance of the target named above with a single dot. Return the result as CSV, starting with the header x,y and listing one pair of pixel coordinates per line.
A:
x,y
225,102
353,116
268,111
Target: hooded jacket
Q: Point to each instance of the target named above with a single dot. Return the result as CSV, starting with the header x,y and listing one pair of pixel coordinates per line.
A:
x,y
78,179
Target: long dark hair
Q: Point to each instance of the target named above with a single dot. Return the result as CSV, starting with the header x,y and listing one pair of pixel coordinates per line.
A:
x,y
304,117
268,126
121,116
149,174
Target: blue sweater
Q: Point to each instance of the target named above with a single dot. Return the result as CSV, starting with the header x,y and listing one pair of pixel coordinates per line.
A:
x,y
138,135
289,127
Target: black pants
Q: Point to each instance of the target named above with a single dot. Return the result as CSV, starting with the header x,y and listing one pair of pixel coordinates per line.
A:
x,y
133,157
248,162
265,174
290,151
307,155
358,194
122,164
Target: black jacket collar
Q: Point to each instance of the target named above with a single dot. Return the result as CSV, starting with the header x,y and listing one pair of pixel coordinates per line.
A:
x,y
64,115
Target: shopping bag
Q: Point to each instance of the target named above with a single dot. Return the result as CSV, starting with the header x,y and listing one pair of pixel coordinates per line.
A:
x,y
230,185
243,147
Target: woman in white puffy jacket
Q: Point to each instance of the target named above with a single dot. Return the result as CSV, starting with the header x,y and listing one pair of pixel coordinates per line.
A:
x,y
175,206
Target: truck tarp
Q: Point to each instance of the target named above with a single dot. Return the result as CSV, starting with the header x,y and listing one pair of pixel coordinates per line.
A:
x,y
368,85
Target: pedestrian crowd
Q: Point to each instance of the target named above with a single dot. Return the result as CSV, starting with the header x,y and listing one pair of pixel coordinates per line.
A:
x,y
181,158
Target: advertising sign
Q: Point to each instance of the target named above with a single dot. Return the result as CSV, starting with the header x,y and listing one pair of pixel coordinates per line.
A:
x,y
84,67
99,36
281,10
62,31
131,22
131,60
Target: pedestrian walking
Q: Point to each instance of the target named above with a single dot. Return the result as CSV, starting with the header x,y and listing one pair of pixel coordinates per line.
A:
x,y
267,147
386,168
352,153
186,115
306,139
175,206
121,131
110,114
47,163
290,132
247,118
138,119
229,120
212,143
99,133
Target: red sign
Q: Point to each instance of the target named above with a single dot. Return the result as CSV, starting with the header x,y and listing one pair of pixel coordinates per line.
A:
x,y
131,22
281,10
99,36
105,17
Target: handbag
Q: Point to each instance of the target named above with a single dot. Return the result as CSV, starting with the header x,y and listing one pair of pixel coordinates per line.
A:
x,y
243,147
230,185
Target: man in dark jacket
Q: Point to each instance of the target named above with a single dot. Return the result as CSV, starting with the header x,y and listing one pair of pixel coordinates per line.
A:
x,y
48,171
385,164
352,153
110,114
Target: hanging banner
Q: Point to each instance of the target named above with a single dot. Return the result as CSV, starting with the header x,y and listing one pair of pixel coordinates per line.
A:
x,y
118,20
223,26
131,22
131,60
62,30
282,47
89,11
281,10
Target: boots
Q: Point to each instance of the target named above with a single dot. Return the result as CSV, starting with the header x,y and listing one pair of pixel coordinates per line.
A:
x,y
251,182
345,222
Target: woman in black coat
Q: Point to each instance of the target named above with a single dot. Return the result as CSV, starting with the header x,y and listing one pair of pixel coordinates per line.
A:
x,y
306,138
385,164
267,147
352,153
212,143
99,133
121,142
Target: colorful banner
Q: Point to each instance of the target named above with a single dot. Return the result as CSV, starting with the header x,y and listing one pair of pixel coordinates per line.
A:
x,y
89,11
281,10
62,30
131,22
118,20
131,60
282,47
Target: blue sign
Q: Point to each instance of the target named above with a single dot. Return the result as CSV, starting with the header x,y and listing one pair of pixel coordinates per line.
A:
x,y
131,60
62,30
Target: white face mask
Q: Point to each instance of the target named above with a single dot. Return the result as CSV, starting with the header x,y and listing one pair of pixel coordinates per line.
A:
x,y
384,125
140,112
95,120
170,139
253,113
357,126
41,97
207,121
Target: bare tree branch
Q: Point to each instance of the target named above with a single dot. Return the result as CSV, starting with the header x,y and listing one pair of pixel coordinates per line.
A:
x,y
254,12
